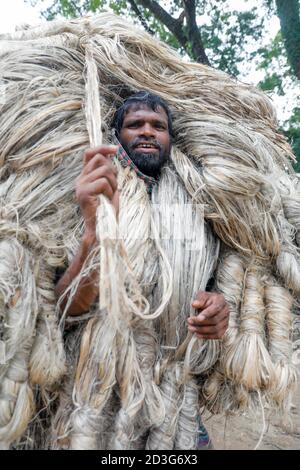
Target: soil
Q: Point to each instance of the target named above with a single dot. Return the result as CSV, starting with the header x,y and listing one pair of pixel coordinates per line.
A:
x,y
244,432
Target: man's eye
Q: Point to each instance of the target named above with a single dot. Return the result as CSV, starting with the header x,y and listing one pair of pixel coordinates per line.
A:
x,y
134,125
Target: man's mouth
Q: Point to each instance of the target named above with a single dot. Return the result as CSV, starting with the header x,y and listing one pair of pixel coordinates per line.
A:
x,y
146,147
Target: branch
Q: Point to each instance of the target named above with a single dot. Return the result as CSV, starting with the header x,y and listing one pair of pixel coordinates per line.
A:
x,y
181,17
140,17
174,25
288,12
194,34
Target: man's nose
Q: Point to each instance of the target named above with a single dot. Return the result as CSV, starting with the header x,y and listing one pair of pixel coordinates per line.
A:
x,y
147,130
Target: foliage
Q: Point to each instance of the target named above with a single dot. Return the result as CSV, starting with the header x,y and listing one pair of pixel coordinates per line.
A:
x,y
292,132
272,60
225,33
278,78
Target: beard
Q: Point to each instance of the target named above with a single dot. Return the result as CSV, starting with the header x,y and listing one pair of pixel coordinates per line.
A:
x,y
149,164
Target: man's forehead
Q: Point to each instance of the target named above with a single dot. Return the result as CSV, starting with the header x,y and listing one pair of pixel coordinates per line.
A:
x,y
140,108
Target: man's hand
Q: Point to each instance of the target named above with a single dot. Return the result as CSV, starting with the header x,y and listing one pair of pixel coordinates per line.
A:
x,y
99,176
212,321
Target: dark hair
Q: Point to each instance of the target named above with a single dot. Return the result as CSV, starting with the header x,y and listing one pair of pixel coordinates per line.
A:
x,y
142,97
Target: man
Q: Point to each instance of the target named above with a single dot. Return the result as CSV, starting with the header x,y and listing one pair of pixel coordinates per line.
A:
x,y
143,128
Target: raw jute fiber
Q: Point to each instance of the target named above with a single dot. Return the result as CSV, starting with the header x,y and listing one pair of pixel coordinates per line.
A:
x,y
130,376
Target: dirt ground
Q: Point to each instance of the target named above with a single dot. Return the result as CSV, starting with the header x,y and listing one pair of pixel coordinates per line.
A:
x,y
243,432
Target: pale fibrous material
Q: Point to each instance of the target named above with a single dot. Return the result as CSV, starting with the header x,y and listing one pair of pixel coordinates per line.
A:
x,y
129,375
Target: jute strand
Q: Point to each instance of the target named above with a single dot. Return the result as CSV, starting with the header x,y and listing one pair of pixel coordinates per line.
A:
x,y
19,309
279,321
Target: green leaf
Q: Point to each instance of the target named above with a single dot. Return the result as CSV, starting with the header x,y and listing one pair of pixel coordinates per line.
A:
x,y
272,82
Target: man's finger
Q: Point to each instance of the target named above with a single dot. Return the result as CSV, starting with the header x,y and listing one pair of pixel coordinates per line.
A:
x,y
210,329
102,172
105,150
210,321
208,313
101,186
98,161
212,336
202,299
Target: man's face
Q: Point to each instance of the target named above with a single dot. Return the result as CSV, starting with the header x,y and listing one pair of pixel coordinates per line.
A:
x,y
145,137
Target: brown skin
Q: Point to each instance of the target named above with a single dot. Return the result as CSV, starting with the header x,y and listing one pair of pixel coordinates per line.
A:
x,y
142,125
212,321
142,122
99,176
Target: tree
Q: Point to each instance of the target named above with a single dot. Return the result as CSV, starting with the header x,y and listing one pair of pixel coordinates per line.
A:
x,y
292,132
179,25
289,16
217,42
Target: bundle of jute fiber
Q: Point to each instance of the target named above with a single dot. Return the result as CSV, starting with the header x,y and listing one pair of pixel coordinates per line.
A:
x,y
255,363
19,311
137,371
289,260
111,331
278,307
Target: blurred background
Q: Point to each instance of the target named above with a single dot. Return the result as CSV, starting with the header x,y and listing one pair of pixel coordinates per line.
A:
x,y
256,41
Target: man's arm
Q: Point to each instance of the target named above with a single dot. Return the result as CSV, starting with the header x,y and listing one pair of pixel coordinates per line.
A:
x,y
98,176
87,290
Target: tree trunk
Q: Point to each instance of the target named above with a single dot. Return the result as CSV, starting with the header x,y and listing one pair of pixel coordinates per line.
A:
x,y
193,32
289,16
192,37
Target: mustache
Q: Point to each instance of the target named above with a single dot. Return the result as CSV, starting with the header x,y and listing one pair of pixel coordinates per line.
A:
x,y
151,142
